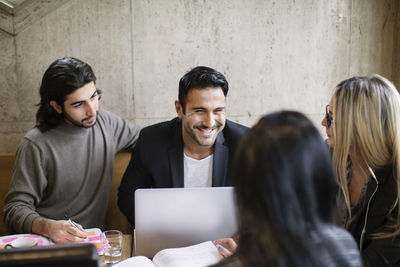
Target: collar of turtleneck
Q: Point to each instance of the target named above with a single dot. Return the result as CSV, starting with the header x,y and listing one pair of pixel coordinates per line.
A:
x,y
69,128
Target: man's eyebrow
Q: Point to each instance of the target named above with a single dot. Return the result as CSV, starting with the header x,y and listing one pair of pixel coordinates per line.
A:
x,y
198,108
94,93
205,109
83,101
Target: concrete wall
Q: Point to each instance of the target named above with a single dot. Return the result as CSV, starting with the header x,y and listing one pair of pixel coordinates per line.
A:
x,y
396,48
276,54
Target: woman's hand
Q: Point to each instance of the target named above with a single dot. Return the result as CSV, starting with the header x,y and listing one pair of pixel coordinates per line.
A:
x,y
225,246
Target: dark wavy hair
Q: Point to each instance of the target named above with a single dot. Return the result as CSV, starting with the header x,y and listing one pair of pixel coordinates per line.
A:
x,y
199,78
61,78
285,189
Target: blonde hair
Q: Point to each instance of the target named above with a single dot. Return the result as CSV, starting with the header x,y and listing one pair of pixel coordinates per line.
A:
x,y
367,116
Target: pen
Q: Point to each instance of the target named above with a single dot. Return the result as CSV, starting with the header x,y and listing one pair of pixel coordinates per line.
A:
x,y
71,222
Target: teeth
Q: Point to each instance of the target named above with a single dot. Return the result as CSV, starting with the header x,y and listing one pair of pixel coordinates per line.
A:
x,y
206,131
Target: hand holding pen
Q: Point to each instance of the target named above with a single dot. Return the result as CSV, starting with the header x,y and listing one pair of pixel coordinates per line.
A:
x,y
78,230
59,231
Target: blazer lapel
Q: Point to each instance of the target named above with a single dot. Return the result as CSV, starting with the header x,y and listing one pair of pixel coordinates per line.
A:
x,y
175,154
220,163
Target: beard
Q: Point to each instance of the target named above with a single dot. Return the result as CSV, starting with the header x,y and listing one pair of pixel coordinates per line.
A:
x,y
83,123
196,135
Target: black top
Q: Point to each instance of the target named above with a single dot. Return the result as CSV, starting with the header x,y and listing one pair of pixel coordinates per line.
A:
x,y
386,251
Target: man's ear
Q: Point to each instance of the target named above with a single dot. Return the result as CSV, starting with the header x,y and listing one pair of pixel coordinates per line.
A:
x,y
179,109
56,107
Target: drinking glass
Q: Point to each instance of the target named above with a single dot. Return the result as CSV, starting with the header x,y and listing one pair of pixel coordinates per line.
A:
x,y
111,242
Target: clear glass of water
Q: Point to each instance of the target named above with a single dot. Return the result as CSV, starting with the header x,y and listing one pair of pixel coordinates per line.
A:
x,y
111,242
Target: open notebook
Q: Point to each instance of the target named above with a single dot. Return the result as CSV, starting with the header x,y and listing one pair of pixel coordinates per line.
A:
x,y
180,217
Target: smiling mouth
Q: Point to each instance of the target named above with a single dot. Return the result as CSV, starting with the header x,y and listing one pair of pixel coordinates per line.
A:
x,y
206,131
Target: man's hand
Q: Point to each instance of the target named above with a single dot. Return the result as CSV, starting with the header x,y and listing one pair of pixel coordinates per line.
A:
x,y
226,246
58,231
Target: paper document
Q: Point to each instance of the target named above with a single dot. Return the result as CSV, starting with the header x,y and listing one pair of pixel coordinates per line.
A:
x,y
200,255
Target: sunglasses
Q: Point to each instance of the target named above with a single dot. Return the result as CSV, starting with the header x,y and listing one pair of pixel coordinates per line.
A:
x,y
329,119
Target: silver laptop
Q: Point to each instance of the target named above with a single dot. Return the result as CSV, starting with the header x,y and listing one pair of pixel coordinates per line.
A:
x,y
177,217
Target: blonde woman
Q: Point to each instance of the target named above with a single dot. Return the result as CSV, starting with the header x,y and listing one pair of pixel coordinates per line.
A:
x,y
363,126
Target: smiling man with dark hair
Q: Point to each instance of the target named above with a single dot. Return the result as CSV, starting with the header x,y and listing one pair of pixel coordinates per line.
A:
x,y
194,149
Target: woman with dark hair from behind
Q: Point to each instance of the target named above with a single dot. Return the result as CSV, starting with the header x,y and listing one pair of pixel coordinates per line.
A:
x,y
285,192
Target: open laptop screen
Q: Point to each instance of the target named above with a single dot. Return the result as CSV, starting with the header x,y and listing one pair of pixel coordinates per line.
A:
x,y
176,217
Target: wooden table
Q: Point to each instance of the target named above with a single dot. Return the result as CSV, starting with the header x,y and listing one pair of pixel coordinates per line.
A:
x,y
126,247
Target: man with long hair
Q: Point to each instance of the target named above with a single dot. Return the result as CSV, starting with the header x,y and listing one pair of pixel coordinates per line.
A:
x,y
64,165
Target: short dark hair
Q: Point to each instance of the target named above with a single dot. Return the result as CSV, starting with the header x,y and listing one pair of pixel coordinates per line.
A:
x,y
62,77
199,78
285,188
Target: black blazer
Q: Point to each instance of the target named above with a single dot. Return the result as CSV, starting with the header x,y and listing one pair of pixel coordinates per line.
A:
x,y
157,160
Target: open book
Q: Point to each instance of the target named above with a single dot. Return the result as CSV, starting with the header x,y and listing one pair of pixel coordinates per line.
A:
x,y
200,255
